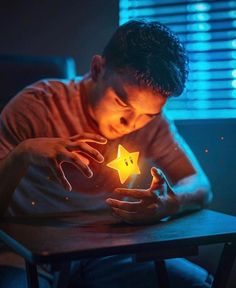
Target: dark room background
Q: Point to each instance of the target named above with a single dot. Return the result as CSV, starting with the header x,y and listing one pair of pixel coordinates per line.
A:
x,y
57,27
80,29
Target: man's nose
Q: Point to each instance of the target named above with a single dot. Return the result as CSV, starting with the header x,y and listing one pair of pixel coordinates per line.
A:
x,y
129,124
123,121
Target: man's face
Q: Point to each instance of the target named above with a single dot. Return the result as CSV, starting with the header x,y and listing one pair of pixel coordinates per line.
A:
x,y
119,107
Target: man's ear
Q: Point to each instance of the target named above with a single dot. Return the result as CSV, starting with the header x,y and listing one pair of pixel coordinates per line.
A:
x,y
97,68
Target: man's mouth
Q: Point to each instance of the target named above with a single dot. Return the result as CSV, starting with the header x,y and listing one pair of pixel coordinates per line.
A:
x,y
114,131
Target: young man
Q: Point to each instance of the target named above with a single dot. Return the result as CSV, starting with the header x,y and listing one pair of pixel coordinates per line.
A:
x,y
57,136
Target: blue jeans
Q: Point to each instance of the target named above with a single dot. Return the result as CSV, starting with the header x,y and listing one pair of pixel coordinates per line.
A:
x,y
117,272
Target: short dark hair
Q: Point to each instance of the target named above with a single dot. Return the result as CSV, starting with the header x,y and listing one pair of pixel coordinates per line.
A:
x,y
151,53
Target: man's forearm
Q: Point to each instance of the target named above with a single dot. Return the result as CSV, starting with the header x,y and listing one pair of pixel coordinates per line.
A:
x,y
12,169
192,194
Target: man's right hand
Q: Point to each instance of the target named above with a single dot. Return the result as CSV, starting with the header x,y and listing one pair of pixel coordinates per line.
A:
x,y
51,152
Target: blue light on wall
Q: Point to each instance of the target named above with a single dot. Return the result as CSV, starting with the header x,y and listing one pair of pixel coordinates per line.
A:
x,y
207,28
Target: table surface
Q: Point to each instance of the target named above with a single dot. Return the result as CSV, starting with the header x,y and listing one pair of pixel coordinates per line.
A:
x,y
82,235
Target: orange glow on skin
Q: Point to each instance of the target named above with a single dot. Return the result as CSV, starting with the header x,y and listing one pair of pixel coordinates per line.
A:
x,y
126,163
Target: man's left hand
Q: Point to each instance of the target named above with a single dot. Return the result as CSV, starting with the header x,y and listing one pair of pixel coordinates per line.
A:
x,y
149,205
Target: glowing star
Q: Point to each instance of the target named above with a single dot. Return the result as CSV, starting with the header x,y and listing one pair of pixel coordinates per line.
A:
x,y
126,163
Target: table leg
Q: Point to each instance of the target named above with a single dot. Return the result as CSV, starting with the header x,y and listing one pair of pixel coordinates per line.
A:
x,y
32,275
62,275
162,274
225,265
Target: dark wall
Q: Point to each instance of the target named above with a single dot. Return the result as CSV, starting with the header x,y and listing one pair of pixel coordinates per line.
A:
x,y
213,142
57,27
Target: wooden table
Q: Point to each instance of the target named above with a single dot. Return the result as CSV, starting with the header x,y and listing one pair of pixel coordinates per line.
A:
x,y
67,237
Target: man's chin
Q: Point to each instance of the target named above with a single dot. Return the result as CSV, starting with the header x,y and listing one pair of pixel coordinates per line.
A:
x,y
111,135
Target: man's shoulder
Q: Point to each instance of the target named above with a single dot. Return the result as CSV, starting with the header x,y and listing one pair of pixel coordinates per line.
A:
x,y
52,85
45,89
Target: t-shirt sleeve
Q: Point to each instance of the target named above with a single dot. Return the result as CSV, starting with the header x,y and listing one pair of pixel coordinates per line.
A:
x,y
21,119
165,143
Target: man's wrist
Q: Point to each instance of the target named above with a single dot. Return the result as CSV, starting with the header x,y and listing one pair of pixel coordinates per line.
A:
x,y
174,203
171,205
190,199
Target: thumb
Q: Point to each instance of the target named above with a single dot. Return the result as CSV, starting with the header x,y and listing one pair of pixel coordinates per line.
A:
x,y
160,182
158,178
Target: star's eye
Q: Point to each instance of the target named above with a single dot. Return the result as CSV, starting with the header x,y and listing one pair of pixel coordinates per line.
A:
x,y
120,103
131,160
126,163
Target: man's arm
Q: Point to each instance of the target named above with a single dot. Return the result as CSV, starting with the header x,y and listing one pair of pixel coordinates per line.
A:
x,y
190,185
183,173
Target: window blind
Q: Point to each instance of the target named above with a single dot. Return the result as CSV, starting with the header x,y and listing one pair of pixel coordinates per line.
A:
x,y
208,31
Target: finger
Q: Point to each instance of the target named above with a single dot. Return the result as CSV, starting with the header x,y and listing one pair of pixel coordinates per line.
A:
x,y
158,185
136,218
89,137
160,191
133,206
75,137
139,194
158,178
170,191
163,185
71,157
125,205
59,175
87,149
129,217
152,209
82,158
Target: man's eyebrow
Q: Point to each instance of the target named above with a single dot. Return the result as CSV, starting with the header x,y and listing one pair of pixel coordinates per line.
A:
x,y
148,114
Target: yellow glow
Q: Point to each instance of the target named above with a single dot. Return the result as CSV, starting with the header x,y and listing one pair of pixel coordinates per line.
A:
x,y
126,163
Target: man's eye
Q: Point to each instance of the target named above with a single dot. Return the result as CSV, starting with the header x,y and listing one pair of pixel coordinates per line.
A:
x,y
122,104
152,116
